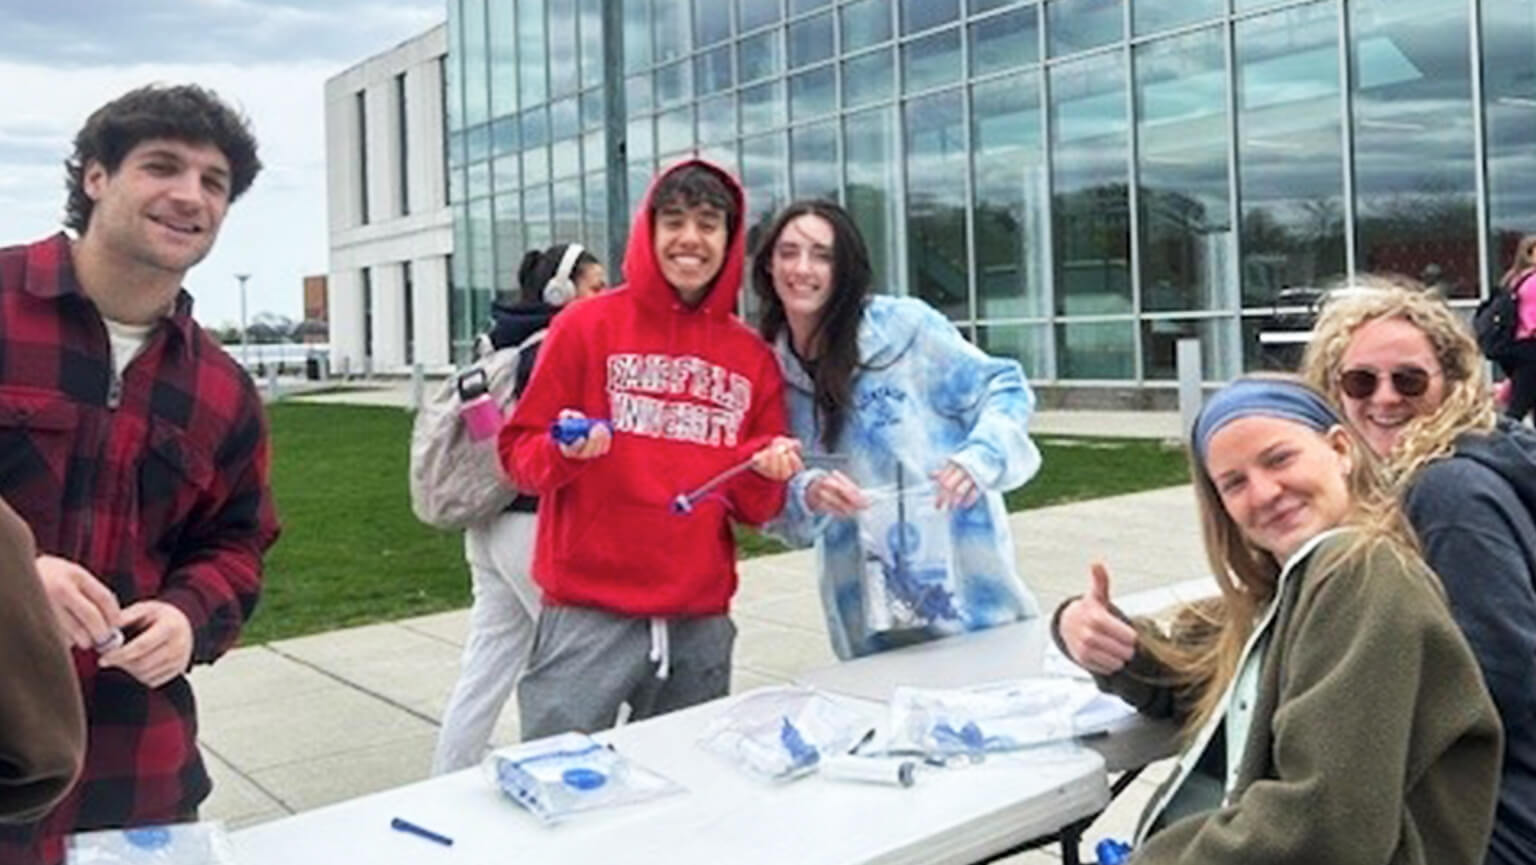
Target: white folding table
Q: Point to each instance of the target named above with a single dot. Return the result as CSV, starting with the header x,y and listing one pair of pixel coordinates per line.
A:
x,y
949,816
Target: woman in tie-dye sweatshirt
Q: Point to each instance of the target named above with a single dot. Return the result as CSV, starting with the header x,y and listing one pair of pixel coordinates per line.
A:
x,y
911,435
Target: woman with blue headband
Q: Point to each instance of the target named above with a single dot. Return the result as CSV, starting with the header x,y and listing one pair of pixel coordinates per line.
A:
x,y
1332,710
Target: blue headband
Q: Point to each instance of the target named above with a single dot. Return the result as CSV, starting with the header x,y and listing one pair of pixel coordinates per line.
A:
x,y
1266,397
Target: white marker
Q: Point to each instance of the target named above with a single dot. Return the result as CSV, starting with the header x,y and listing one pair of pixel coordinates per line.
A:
x,y
895,773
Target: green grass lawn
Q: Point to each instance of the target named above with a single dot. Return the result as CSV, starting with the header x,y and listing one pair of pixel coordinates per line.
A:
x,y
351,552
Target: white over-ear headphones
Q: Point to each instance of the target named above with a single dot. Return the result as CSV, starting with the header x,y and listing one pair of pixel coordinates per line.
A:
x,y
560,291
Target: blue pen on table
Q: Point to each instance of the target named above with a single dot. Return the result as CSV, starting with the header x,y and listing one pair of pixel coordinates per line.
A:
x,y
400,825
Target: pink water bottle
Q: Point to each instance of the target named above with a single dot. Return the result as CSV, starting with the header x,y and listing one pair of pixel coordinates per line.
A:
x,y
482,418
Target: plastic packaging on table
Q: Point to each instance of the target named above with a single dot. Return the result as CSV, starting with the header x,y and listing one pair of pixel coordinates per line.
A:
x,y
571,773
1008,717
908,570
203,843
781,732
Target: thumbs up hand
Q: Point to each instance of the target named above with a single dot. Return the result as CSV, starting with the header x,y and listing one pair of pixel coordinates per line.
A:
x,y
1097,639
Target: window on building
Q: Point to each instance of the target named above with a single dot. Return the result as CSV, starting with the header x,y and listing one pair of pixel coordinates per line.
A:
x,y
403,140
360,104
408,312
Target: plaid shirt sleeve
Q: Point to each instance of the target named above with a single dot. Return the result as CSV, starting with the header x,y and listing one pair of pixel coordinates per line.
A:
x,y
215,577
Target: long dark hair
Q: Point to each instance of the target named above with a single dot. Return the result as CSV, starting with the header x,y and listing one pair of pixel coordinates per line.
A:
x,y
538,268
836,336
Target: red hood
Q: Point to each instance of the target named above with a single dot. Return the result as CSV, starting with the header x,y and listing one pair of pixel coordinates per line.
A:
x,y
642,274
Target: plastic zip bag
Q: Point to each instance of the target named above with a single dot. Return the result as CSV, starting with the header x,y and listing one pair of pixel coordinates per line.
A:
x,y
203,843
781,733
1000,718
564,775
908,575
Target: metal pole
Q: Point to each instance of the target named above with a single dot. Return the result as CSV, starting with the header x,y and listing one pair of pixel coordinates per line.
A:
x,y
1188,354
616,118
245,338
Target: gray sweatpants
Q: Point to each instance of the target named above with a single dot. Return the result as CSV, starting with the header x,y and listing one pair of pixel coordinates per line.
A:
x,y
585,663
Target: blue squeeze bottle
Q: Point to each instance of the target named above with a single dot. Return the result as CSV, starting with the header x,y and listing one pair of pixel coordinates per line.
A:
x,y
1112,852
569,430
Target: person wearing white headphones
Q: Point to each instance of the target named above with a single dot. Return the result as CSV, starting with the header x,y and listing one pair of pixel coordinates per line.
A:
x,y
500,552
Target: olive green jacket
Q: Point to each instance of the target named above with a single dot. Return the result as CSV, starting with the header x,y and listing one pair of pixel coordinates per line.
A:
x,y
1374,740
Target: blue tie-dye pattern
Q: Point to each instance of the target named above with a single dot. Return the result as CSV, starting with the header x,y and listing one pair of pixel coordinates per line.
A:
x,y
973,409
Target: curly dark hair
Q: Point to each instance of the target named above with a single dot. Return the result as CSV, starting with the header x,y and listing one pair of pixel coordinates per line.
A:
x,y
183,112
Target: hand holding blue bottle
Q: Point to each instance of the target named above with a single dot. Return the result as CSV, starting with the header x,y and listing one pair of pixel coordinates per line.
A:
x,y
1112,852
580,437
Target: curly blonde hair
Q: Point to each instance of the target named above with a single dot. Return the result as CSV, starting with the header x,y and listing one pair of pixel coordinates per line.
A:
x,y
1468,403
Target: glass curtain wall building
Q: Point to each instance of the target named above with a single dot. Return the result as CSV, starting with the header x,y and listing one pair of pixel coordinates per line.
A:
x,y
1076,183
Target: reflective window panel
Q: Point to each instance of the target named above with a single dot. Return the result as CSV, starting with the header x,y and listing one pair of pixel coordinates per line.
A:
x,y
865,23
508,243
717,118
670,23
1077,25
1509,99
712,70
1184,203
813,161
1155,16
1029,344
931,61
868,78
813,93
759,56
765,174
753,14
1103,350
1218,346
1290,163
564,68
810,40
501,24
762,107
533,83
1008,155
1006,40
1090,211
869,161
920,15
937,265
1415,169
711,21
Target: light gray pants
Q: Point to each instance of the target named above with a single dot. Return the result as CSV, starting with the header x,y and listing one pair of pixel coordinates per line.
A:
x,y
501,623
587,662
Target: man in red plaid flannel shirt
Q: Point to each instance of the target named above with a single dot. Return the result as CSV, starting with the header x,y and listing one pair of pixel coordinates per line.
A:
x,y
136,449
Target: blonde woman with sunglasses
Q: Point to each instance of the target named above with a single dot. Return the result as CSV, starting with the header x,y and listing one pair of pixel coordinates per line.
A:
x,y
1405,371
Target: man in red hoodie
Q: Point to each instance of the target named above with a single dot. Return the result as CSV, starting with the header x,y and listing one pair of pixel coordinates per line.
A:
x,y
636,594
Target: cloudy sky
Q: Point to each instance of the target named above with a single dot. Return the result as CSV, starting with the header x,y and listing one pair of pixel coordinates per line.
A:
x,y
60,59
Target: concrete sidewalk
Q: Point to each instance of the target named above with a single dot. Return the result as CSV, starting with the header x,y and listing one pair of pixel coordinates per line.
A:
x,y
300,723
1112,424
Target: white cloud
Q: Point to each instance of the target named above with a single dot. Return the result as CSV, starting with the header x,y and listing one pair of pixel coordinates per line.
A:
x,y
275,58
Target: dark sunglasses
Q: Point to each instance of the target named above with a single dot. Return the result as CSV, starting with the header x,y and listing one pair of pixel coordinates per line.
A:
x,y
1408,381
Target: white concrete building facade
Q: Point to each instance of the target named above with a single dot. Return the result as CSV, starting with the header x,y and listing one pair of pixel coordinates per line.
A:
x,y
391,230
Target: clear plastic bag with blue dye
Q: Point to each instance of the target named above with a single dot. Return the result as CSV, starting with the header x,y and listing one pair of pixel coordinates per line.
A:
x,y
781,733
203,843
908,573
565,775
1014,716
